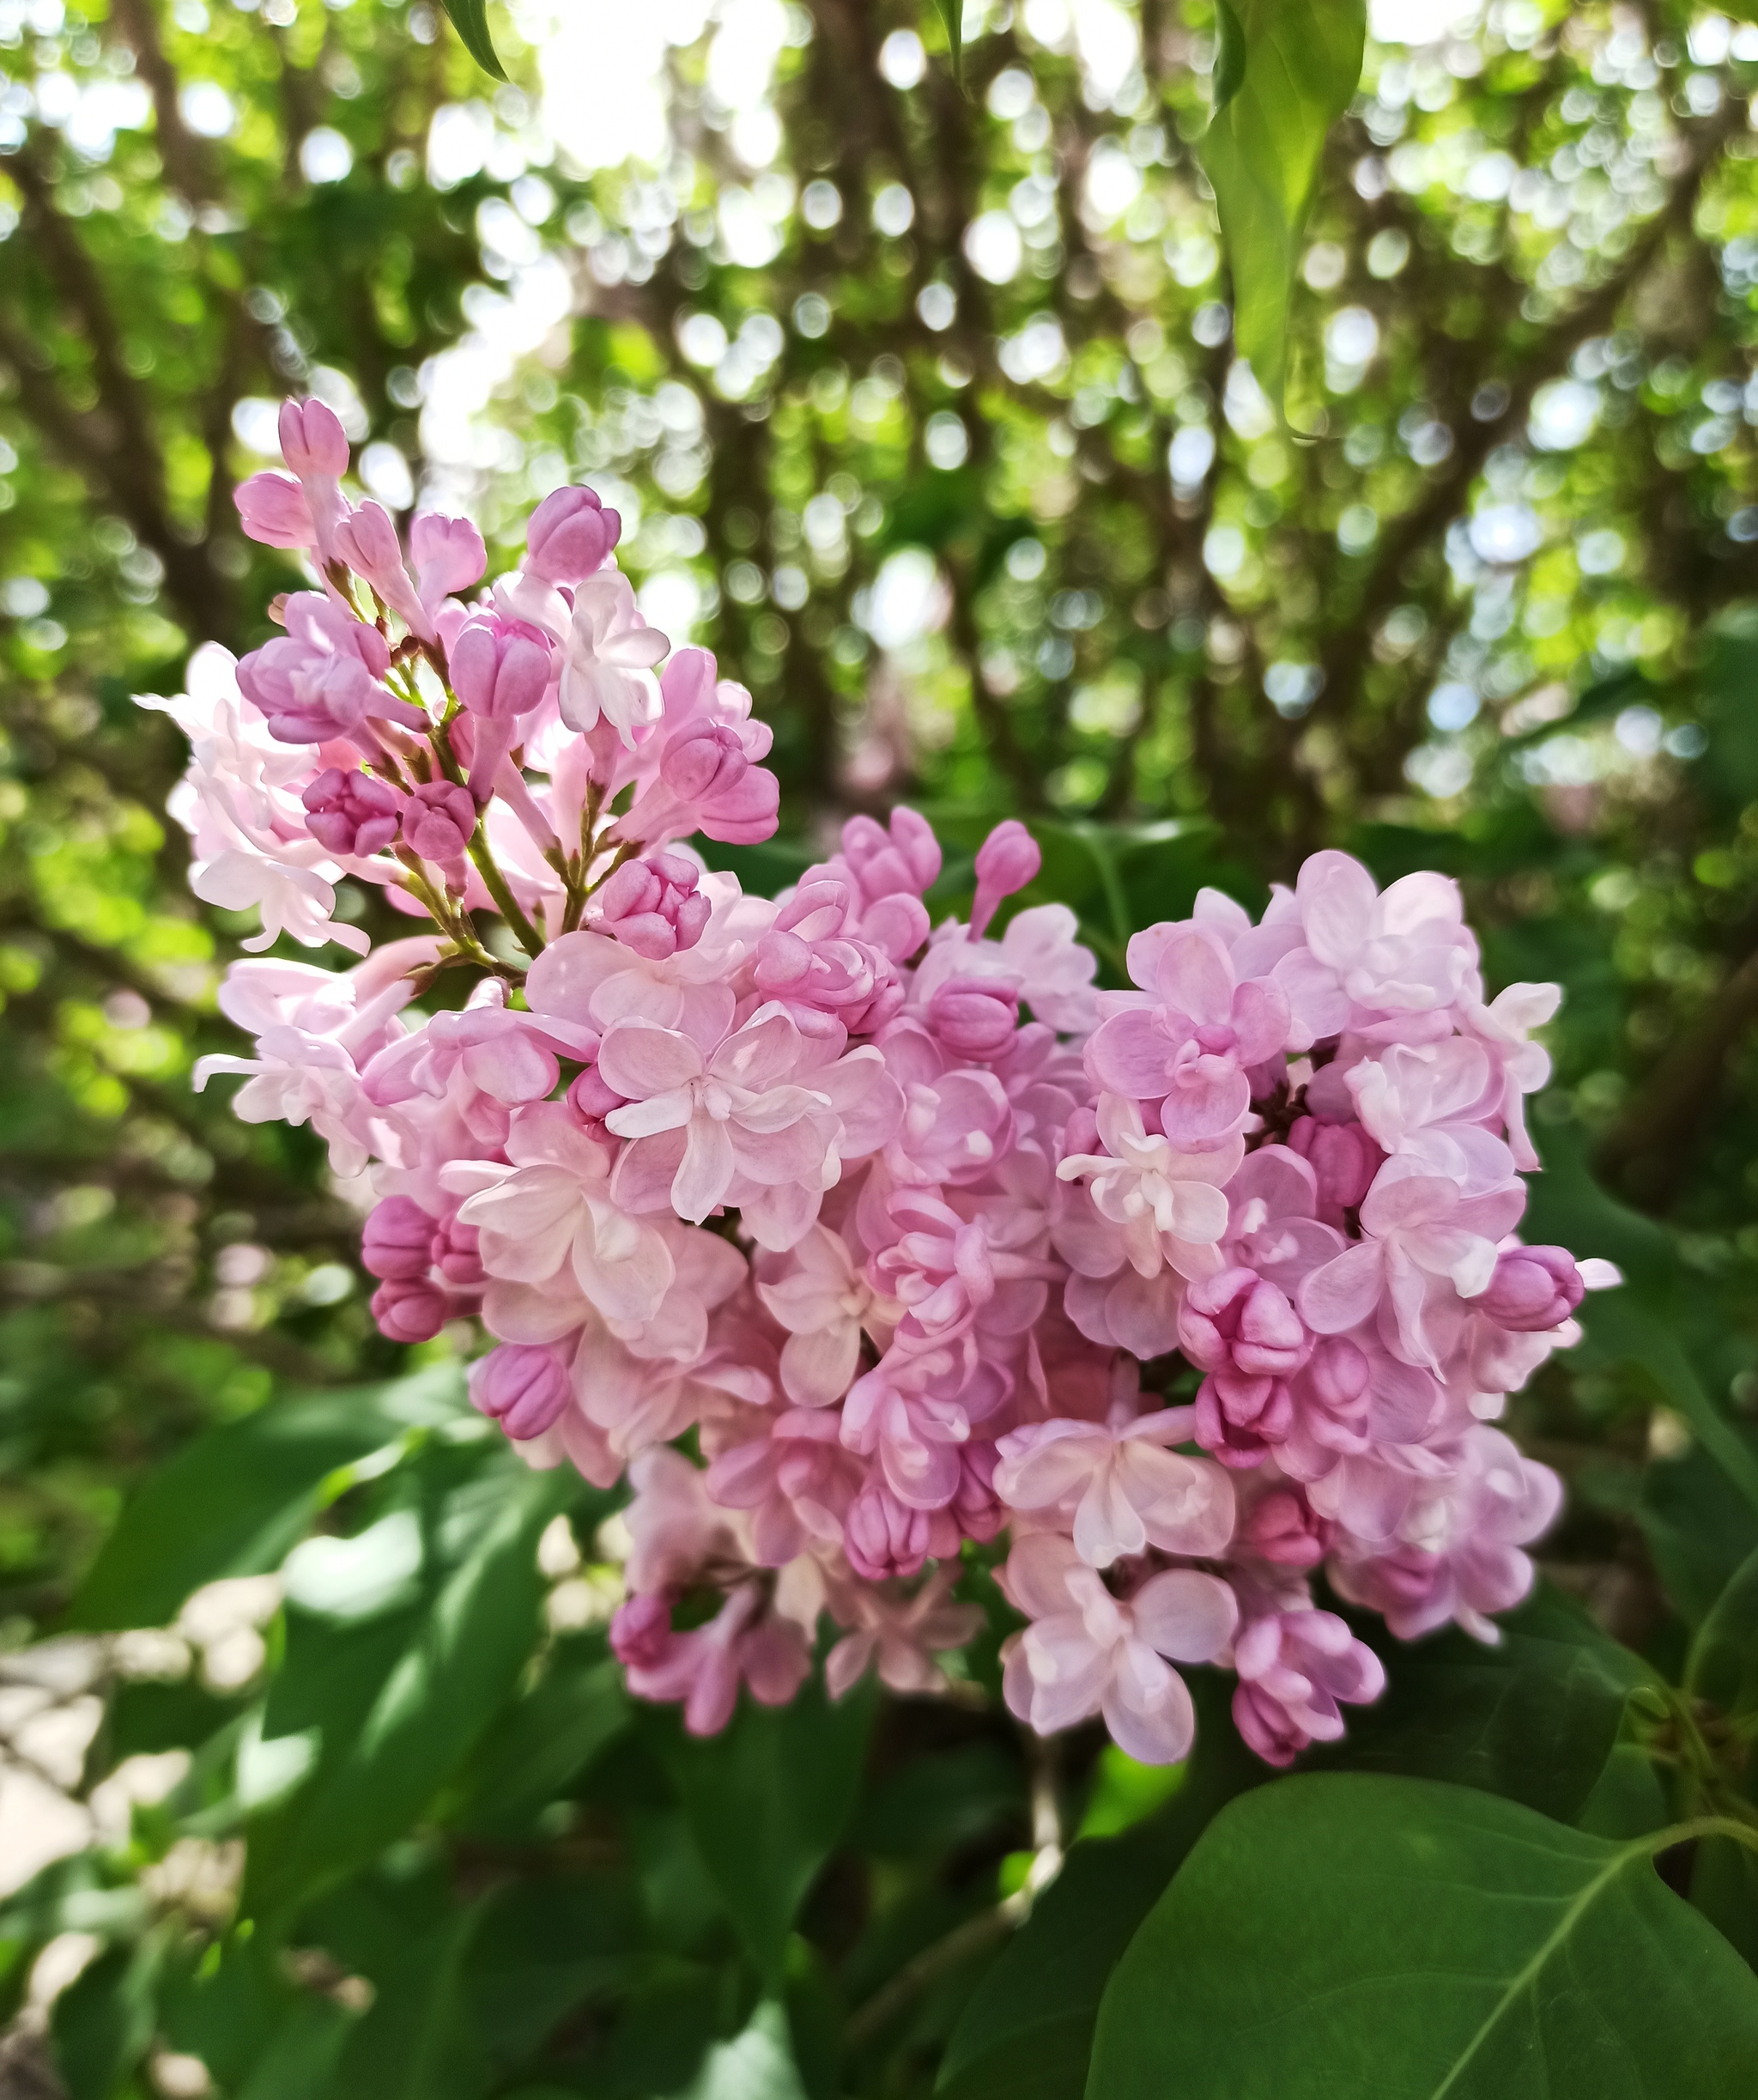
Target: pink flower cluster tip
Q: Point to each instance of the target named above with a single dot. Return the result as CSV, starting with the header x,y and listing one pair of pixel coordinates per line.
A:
x,y
853,1241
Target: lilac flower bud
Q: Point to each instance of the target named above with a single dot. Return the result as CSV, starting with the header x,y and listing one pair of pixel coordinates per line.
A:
x,y
448,554
410,1309
569,535
352,813
1343,1157
975,1018
641,1632
439,822
312,440
976,1505
1239,1418
457,1254
881,1537
1238,1321
522,1387
1283,1530
906,857
321,678
398,1242
274,511
1533,1289
1006,861
590,1098
703,762
499,669
654,907
1336,1375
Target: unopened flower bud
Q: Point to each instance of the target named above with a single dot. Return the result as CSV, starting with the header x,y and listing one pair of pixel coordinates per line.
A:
x,y
439,822
1343,1157
654,907
1007,860
312,440
906,857
641,1632
524,1387
590,1098
1533,1289
448,554
975,1018
352,813
1284,1530
273,511
457,1254
1336,1374
1239,1418
883,1537
410,1310
1238,1321
703,762
397,1244
569,535
499,669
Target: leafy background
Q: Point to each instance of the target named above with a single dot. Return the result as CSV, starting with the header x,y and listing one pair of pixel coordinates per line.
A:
x,y
916,383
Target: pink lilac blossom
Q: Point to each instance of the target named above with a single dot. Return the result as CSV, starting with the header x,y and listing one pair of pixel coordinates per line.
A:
x,y
909,1229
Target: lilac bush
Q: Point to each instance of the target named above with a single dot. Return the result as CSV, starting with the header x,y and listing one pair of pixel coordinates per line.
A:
x,y
850,1240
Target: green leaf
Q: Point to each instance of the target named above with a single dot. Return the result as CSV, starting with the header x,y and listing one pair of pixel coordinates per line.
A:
x,y
768,1799
538,1747
1027,2031
1700,1526
434,1680
540,1946
952,19
73,1895
1284,73
104,2020
756,2065
1333,1936
470,20
1722,1665
1535,1718
1648,1320
239,1498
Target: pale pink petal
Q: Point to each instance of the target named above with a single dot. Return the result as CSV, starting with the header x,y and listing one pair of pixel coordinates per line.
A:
x,y
1148,1708
1186,1615
1344,1292
637,1059
704,1173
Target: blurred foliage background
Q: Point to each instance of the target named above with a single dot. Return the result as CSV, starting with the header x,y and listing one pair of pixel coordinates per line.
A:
x,y
920,404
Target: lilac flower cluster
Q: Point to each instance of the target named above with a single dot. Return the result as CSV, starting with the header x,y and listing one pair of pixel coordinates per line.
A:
x,y
845,1236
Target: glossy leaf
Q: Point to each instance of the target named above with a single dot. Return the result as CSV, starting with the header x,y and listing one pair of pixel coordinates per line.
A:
x,y
432,1679
1026,2033
1284,74
766,1801
1534,1718
1335,1935
239,1497
470,20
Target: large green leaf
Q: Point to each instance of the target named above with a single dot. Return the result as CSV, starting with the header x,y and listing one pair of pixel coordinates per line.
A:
x,y
1027,2031
1333,1936
1284,73
399,1702
239,1497
1534,1718
768,1799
